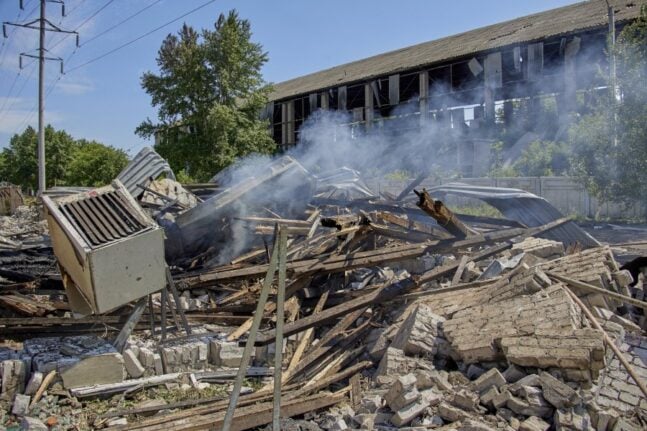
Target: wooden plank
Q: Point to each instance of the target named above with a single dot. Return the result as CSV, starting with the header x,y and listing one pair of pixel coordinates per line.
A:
x,y
49,378
248,256
120,341
252,416
459,271
332,337
270,307
590,288
355,391
281,221
291,230
304,344
258,315
384,294
280,316
443,215
115,388
375,257
330,380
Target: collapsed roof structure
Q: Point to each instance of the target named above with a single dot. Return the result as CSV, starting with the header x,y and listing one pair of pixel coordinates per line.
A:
x,y
432,318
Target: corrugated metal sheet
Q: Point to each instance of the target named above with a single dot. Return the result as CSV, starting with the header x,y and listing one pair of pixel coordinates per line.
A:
x,y
145,165
523,207
59,191
562,21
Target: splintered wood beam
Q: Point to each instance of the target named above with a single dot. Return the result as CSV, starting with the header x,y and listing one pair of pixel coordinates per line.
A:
x,y
383,294
304,344
120,341
443,215
340,263
248,417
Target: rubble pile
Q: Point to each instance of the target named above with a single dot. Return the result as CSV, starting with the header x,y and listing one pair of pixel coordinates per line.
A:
x,y
393,319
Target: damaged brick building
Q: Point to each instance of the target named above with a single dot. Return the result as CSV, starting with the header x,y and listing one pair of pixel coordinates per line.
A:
x,y
465,82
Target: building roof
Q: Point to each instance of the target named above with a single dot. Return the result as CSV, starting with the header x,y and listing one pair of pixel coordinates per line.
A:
x,y
555,22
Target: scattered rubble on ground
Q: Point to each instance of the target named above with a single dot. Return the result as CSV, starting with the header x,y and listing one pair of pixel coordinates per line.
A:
x,y
392,319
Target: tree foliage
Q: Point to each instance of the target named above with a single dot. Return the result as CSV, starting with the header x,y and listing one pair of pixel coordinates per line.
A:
x,y
94,164
610,144
67,161
209,94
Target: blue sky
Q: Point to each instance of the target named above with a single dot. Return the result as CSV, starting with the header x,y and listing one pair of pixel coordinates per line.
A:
x,y
104,100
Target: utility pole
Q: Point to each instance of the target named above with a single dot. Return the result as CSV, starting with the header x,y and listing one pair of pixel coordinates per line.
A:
x,y
44,25
613,78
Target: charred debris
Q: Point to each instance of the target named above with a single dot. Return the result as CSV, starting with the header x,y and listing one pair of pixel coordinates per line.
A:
x,y
292,301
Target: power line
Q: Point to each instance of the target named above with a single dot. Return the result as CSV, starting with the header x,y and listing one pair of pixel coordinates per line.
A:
x,y
75,8
13,30
32,111
13,102
71,12
97,12
140,37
22,87
10,90
121,22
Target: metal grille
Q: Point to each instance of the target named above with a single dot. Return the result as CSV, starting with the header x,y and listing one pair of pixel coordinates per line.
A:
x,y
102,218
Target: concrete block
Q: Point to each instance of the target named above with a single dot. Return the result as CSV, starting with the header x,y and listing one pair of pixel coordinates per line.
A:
x,y
501,399
95,370
558,393
146,358
474,425
365,421
451,413
402,392
568,420
394,363
406,414
370,404
534,423
157,361
20,405
433,378
132,364
606,419
488,396
466,400
229,355
13,377
420,334
32,424
34,383
523,407
490,378
431,397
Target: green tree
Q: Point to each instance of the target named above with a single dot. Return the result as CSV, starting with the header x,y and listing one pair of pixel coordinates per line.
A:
x,y
21,157
543,158
67,161
209,94
94,164
610,144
